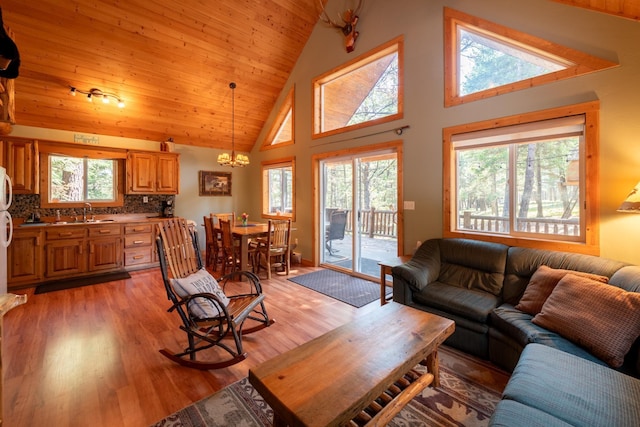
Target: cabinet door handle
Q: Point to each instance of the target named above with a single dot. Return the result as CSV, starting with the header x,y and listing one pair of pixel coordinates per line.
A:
x,y
80,250
104,231
65,234
90,249
138,229
138,242
138,257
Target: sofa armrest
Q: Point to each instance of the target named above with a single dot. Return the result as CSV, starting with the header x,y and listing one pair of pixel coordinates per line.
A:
x,y
422,269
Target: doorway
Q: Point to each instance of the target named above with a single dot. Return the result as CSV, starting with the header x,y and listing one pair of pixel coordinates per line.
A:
x,y
359,220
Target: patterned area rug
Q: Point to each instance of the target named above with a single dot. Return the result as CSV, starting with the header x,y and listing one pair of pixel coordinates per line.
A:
x,y
466,397
343,287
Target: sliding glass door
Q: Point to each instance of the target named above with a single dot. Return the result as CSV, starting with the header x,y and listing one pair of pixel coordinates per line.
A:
x,y
358,211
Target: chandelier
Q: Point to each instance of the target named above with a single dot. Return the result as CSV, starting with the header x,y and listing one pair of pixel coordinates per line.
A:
x,y
233,160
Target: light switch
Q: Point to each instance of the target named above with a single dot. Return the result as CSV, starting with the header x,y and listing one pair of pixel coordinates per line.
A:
x,y
409,205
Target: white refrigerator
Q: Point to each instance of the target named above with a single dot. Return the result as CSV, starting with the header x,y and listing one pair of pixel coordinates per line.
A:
x,y
6,225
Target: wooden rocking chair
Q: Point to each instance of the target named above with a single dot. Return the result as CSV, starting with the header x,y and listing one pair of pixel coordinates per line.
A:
x,y
179,253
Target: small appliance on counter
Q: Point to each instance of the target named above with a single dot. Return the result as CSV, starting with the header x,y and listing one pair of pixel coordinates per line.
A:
x,y
167,209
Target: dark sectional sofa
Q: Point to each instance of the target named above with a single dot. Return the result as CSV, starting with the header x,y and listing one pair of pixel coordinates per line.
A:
x,y
480,284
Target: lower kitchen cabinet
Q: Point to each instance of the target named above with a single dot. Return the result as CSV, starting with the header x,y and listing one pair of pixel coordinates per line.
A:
x,y
24,257
42,253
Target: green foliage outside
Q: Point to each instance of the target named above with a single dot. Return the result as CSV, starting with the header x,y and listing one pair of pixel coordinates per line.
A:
x,y
382,100
486,63
541,173
74,179
280,189
377,180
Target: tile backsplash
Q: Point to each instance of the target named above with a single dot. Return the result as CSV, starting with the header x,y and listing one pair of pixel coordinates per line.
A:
x,y
25,204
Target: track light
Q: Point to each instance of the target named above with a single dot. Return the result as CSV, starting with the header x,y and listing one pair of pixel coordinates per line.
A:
x,y
97,93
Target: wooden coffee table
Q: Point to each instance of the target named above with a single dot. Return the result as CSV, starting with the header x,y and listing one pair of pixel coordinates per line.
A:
x,y
362,370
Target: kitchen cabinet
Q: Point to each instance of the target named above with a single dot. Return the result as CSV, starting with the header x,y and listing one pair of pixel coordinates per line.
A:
x,y
65,252
139,244
79,249
21,162
152,173
40,253
24,257
105,247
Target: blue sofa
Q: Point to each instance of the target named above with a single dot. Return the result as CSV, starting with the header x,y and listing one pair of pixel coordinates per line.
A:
x,y
479,284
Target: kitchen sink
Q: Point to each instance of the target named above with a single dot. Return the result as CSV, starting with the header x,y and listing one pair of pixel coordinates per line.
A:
x,y
89,221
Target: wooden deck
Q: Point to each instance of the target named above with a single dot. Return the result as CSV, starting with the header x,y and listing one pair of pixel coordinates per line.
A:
x,y
373,250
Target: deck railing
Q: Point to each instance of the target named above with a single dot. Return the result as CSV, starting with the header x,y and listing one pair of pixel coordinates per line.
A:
x,y
500,224
373,222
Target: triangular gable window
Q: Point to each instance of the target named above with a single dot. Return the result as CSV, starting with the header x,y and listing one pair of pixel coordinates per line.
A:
x,y
483,59
281,132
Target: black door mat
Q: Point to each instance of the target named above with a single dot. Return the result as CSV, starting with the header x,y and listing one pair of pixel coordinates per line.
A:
x,y
59,285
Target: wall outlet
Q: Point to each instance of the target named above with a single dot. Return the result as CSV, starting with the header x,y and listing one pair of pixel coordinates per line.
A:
x,y
409,205
145,199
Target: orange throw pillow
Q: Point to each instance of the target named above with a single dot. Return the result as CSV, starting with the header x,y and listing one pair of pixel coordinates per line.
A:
x,y
602,318
542,283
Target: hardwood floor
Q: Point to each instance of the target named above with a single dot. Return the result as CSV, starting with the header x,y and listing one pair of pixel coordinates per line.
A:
x,y
89,356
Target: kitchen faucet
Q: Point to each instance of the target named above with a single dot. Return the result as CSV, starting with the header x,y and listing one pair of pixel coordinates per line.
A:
x,y
84,211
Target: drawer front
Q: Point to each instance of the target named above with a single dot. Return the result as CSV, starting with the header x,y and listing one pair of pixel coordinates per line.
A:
x,y
137,256
55,233
137,240
138,228
104,230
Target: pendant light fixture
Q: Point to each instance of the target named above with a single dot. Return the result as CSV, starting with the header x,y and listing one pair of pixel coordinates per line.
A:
x,y
233,160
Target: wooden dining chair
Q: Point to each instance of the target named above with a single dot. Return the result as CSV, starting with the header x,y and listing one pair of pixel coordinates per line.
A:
x,y
228,216
210,314
230,248
210,243
277,245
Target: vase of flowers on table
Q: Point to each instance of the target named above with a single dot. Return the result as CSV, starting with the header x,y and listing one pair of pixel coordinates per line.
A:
x,y
244,218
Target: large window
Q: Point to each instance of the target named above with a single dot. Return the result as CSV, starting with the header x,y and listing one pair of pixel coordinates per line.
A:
x,y
282,131
73,179
363,92
278,196
528,181
484,59
72,176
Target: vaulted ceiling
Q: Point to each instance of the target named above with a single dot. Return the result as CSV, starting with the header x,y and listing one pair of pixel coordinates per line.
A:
x,y
170,61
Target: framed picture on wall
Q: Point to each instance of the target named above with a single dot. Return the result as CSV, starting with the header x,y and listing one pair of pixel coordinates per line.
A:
x,y
214,183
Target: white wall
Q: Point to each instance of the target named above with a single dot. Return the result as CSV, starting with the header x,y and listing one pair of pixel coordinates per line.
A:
x,y
421,23
190,205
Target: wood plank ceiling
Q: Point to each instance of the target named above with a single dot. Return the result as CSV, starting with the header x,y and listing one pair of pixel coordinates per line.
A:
x,y
171,62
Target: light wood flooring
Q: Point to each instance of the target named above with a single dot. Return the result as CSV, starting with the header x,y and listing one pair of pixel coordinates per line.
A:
x,y
89,356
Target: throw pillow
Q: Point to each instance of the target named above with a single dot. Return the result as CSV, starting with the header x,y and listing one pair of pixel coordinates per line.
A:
x,y
542,283
602,318
200,282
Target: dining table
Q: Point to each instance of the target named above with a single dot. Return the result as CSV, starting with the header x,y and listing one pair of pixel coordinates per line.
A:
x,y
245,232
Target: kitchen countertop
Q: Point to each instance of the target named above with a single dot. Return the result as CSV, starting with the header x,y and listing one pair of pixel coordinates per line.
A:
x,y
97,220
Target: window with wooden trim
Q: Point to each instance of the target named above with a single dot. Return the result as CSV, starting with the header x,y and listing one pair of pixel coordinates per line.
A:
x,y
527,178
72,176
281,133
363,92
278,189
484,59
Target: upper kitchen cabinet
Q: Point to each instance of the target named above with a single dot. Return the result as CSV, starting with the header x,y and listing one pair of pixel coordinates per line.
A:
x,y
152,173
20,158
